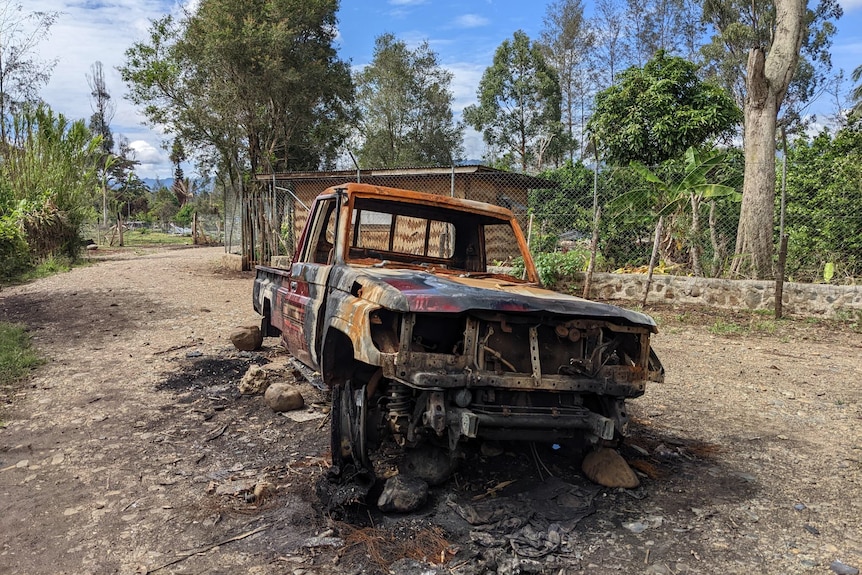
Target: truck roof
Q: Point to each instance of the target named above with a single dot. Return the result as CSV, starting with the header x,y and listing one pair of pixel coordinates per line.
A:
x,y
371,191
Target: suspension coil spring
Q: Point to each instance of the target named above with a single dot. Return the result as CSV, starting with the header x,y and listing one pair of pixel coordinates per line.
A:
x,y
399,400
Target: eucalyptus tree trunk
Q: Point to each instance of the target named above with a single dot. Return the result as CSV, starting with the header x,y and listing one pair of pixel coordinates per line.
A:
x,y
767,78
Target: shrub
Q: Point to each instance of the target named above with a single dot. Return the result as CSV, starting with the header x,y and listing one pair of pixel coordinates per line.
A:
x,y
556,267
14,251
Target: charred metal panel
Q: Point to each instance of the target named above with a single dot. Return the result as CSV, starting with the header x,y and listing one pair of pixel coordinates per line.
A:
x,y
305,294
418,291
514,355
351,316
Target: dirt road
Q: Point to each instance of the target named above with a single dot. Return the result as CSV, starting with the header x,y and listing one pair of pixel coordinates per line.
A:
x,y
130,451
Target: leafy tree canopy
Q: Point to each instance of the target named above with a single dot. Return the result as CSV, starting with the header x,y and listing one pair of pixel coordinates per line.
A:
x,y
656,112
519,104
22,73
405,104
823,198
256,83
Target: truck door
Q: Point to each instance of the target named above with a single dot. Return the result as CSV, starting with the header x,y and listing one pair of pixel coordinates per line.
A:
x,y
305,292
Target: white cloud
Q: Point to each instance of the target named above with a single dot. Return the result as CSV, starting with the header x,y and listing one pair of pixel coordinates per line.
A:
x,y
850,5
406,2
474,145
146,153
471,21
101,30
465,82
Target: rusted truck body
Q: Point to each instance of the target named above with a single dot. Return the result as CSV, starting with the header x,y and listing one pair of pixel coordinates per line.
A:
x,y
394,297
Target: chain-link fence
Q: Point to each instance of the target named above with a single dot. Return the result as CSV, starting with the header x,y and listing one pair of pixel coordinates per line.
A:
x,y
699,214
203,229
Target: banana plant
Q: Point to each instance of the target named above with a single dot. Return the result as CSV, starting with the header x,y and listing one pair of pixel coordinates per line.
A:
x,y
673,198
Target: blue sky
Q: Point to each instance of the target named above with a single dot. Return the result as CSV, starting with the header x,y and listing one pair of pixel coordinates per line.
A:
x,y
463,33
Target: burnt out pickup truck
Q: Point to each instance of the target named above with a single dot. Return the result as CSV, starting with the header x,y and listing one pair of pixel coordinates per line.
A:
x,y
394,297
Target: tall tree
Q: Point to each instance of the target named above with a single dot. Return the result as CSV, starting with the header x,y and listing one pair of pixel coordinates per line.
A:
x,y
126,186
102,106
609,23
100,125
180,186
405,104
519,104
656,112
773,55
568,39
673,26
21,72
768,75
249,86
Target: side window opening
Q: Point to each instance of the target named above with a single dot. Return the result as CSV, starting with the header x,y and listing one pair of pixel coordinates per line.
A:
x,y
322,240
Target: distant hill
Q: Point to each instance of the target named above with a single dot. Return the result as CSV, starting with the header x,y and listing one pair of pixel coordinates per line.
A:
x,y
168,183
151,182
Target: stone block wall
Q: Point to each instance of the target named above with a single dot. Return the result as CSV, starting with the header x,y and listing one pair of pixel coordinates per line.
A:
x,y
232,262
798,299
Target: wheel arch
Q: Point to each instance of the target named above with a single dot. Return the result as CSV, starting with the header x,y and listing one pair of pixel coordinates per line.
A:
x,y
337,359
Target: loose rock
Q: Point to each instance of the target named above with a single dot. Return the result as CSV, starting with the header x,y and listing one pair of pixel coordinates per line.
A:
x,y
403,494
236,487
247,337
636,526
254,381
607,467
283,397
843,569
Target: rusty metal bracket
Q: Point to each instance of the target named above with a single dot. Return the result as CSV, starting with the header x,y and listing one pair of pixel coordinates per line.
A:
x,y
407,324
535,362
471,341
435,417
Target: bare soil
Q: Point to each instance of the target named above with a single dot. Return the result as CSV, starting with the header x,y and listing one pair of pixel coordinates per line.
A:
x,y
131,451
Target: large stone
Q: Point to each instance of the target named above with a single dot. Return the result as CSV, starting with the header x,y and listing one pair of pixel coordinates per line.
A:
x,y
402,494
255,381
247,337
283,397
607,467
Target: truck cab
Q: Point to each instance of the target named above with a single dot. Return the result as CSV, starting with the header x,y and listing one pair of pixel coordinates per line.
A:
x,y
408,305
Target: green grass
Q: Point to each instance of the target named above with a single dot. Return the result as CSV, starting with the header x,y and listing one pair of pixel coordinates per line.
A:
x,y
17,358
764,312
851,318
51,266
721,327
764,326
